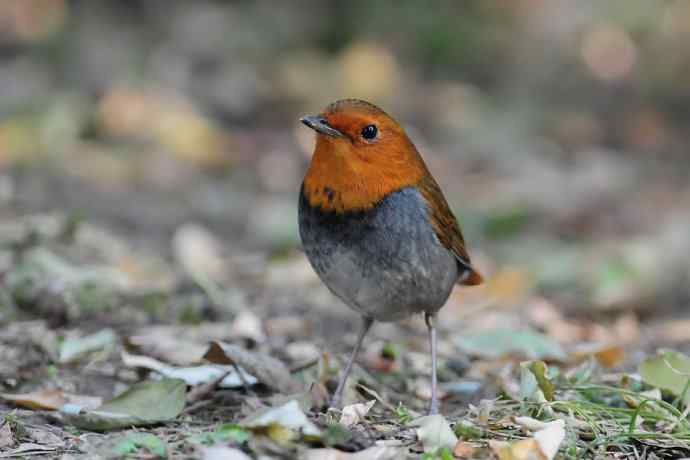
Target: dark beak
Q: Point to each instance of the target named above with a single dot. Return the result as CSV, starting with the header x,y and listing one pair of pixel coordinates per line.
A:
x,y
320,125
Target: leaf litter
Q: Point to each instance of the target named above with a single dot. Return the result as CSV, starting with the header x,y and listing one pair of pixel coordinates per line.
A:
x,y
572,399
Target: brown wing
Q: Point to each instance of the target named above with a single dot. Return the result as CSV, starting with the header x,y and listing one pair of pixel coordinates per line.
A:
x,y
447,230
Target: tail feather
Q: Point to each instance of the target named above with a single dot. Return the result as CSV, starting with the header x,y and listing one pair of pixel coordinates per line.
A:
x,y
470,277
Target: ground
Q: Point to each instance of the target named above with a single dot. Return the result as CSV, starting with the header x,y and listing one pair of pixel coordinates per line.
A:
x,y
88,303
150,161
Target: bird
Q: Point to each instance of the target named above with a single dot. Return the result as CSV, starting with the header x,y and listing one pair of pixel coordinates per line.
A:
x,y
375,226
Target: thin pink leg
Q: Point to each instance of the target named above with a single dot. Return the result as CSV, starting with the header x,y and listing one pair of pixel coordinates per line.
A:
x,y
337,396
433,406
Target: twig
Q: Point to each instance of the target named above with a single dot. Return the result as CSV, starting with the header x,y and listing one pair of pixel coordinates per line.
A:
x,y
201,391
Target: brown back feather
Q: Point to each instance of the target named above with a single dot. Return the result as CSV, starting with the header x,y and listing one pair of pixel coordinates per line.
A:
x,y
447,230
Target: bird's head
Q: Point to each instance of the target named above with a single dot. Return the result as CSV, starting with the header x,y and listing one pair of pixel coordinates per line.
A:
x,y
361,155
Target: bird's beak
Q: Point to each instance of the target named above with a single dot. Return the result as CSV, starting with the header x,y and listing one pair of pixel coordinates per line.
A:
x,y
320,125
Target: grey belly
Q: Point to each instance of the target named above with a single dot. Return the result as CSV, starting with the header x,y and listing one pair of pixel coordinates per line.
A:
x,y
385,263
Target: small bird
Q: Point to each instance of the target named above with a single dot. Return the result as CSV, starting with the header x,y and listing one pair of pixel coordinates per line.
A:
x,y
375,225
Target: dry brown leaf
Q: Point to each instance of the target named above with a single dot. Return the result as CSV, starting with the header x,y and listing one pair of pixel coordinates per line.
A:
x,y
542,446
50,399
464,449
526,449
606,355
266,369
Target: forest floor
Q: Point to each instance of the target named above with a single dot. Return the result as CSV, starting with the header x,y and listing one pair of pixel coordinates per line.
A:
x,y
162,325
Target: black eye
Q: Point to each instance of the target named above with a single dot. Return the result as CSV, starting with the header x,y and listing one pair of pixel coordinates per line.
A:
x,y
369,132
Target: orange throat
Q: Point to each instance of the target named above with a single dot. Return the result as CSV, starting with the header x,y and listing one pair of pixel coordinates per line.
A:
x,y
334,182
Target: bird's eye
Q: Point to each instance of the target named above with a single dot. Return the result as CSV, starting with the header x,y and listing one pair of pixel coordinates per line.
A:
x,y
369,132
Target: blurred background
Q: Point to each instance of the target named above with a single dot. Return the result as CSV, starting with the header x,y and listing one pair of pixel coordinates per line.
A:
x,y
155,144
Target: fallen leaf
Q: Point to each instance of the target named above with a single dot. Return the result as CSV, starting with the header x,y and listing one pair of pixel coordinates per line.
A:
x,y
50,399
130,443
27,448
248,325
226,432
539,371
283,423
71,349
355,413
435,433
676,330
42,435
371,453
144,403
192,375
464,449
179,345
526,449
668,370
543,445
268,370
550,438
6,436
223,453
197,250
607,355
529,423
498,342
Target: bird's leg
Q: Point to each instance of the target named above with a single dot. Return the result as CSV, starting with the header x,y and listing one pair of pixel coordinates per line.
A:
x,y
429,320
366,324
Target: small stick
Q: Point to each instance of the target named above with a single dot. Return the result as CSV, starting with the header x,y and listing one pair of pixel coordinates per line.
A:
x,y
199,392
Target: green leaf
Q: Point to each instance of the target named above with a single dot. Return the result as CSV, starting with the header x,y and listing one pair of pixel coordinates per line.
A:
x,y
72,349
494,343
539,370
335,434
134,441
668,370
226,432
145,403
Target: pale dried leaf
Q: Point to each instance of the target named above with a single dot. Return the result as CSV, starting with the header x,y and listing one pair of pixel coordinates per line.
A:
x,y
530,423
550,438
26,449
282,423
435,433
72,349
542,446
192,375
372,453
248,325
224,453
355,413
6,436
464,449
197,251
266,369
